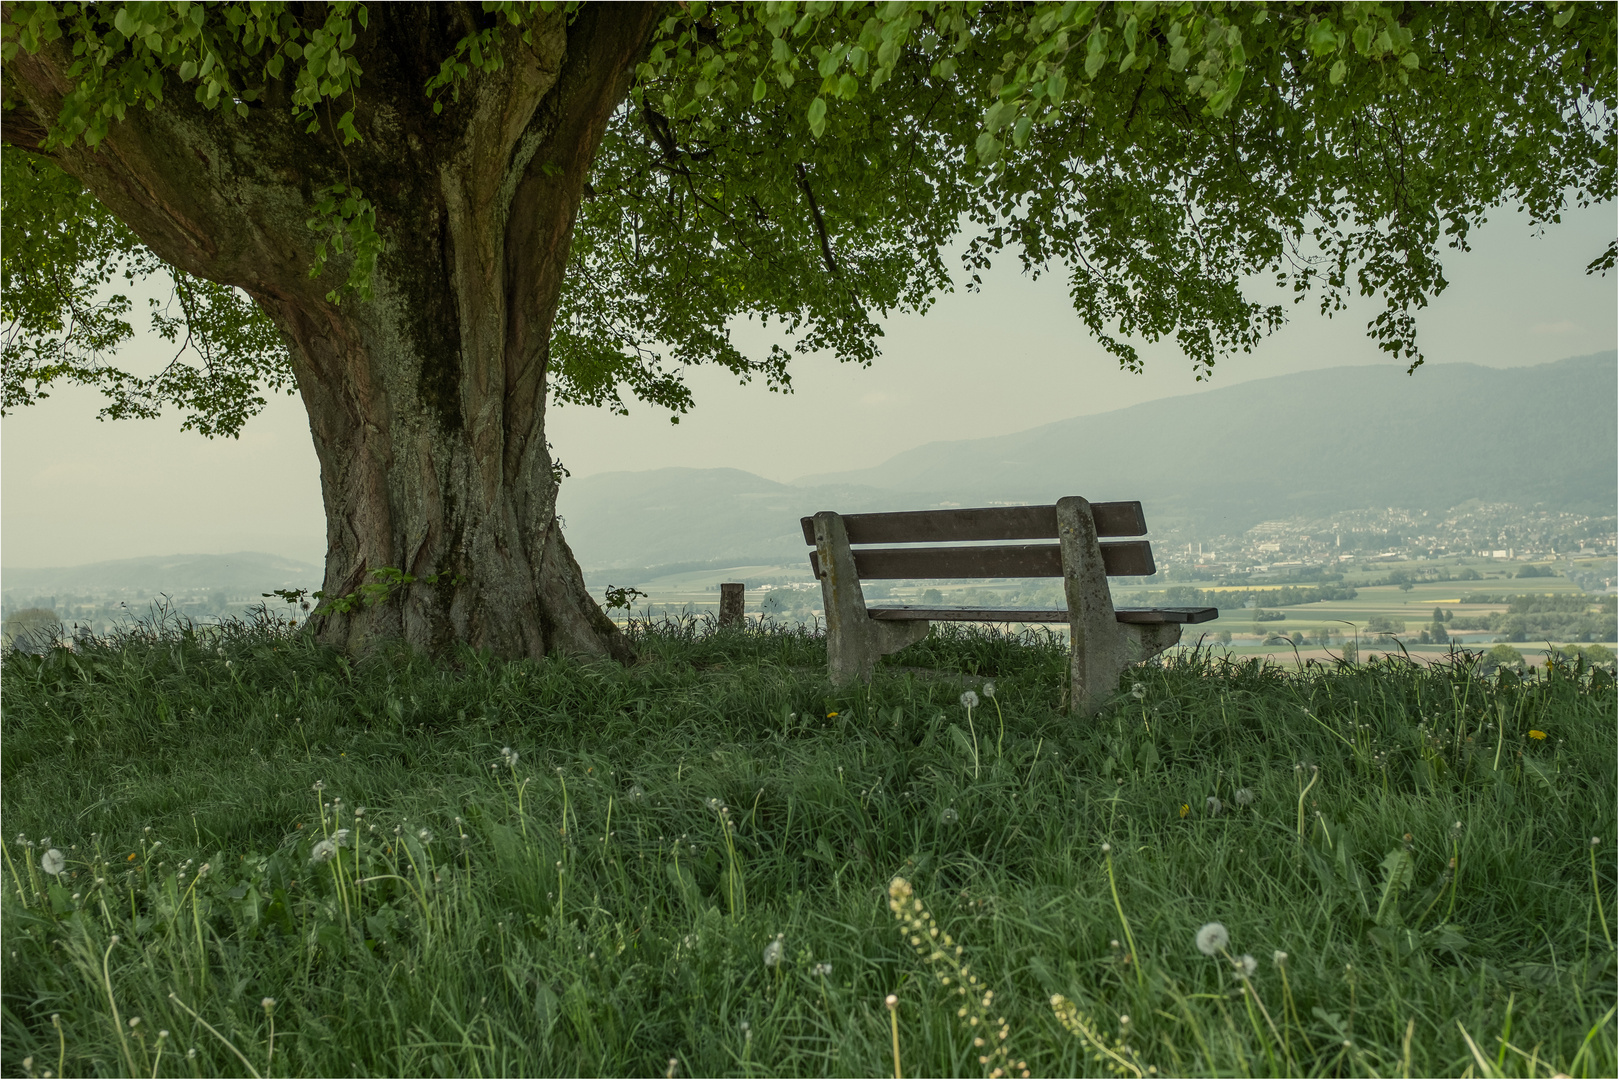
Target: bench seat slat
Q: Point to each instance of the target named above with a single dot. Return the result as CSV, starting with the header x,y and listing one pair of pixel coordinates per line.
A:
x,y
980,523
1033,615
1121,558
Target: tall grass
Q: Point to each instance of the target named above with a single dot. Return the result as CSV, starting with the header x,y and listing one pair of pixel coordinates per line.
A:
x,y
575,868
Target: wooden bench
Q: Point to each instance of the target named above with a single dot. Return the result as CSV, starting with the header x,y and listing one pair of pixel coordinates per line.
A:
x,y
1105,640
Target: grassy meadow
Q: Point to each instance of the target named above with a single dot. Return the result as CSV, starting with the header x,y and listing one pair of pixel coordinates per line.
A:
x,y
239,853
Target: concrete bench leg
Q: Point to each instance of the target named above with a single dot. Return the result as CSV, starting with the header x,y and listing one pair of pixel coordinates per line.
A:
x,y
854,640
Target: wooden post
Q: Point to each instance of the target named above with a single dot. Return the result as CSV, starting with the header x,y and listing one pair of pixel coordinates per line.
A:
x,y
731,601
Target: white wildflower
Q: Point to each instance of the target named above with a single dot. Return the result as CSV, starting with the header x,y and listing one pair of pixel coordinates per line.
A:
x,y
53,862
1211,938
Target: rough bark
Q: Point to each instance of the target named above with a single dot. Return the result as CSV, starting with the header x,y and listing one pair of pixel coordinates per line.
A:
x,y
426,404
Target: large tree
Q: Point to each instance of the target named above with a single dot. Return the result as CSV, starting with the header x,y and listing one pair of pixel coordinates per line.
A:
x,y
428,218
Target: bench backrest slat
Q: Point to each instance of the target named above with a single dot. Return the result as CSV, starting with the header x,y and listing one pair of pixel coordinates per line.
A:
x,y
1127,558
986,523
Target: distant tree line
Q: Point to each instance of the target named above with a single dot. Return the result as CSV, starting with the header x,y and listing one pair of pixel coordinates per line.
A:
x,y
1284,596
1545,618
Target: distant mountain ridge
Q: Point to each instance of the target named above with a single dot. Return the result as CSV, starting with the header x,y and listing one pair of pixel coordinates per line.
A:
x,y
1217,462
1533,434
1221,461
241,571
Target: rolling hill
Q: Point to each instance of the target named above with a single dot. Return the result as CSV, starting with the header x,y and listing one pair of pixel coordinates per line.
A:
x,y
1221,461
249,572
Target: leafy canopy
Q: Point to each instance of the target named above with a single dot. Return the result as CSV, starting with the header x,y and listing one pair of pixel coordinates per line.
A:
x,y
806,164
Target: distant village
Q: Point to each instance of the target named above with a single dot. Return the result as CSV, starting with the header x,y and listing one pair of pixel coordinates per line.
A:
x,y
1360,538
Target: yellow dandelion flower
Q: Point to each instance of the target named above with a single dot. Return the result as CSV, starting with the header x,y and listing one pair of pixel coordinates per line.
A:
x,y
1185,809
1537,734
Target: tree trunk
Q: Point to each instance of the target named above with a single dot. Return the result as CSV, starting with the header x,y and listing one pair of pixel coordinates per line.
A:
x,y
426,403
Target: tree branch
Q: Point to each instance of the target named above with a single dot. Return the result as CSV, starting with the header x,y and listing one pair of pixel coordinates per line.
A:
x,y
815,215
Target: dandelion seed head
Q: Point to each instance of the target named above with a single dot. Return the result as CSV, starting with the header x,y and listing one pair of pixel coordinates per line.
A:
x,y
969,700
891,1002
1243,797
1211,938
323,852
1138,690
989,689
1278,957
53,862
949,817
424,835
1245,965
267,1004
1213,805
773,952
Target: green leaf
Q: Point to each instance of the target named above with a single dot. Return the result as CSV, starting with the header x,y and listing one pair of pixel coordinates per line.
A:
x,y
1336,75
1398,871
1096,54
817,116
1322,38
759,88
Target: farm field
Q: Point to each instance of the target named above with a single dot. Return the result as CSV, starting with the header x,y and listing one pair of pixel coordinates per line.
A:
x,y
250,855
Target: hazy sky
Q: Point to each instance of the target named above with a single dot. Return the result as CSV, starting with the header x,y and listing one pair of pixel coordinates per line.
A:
x,y
1014,356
